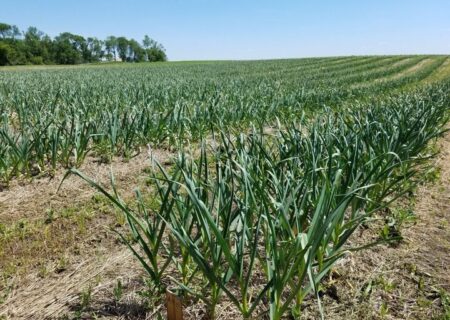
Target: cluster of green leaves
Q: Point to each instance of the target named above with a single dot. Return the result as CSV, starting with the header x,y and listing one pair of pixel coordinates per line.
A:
x,y
261,218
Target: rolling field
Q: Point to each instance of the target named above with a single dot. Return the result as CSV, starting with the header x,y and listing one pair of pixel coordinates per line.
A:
x,y
250,189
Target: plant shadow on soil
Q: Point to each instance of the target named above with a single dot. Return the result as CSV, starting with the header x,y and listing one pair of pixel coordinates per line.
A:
x,y
110,308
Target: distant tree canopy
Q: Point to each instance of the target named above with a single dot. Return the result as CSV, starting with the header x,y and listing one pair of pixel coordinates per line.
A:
x,y
35,47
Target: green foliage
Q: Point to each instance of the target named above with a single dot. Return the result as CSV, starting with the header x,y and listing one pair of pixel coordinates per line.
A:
x,y
257,217
51,119
5,54
118,291
67,48
156,54
277,164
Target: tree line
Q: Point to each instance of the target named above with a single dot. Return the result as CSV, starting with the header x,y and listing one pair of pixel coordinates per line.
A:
x,y
35,47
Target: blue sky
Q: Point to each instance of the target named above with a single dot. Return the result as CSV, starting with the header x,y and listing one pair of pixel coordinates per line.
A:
x,y
249,29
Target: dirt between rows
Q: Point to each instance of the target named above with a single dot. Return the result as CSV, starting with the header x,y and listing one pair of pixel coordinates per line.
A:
x,y
408,281
94,262
26,199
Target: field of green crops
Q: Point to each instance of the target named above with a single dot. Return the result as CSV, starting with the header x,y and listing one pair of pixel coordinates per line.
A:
x,y
56,117
277,162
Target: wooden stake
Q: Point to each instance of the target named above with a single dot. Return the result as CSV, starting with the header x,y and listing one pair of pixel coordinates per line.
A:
x,y
174,307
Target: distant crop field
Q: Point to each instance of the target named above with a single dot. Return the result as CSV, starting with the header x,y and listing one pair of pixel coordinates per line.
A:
x,y
254,178
54,116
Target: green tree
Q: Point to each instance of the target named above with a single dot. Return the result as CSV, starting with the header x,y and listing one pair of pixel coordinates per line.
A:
x,y
148,42
36,47
154,50
68,48
10,55
122,48
95,46
5,30
36,51
136,52
111,47
5,50
156,54
15,32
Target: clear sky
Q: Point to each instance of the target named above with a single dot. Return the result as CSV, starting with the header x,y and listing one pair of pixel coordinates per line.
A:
x,y
249,29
